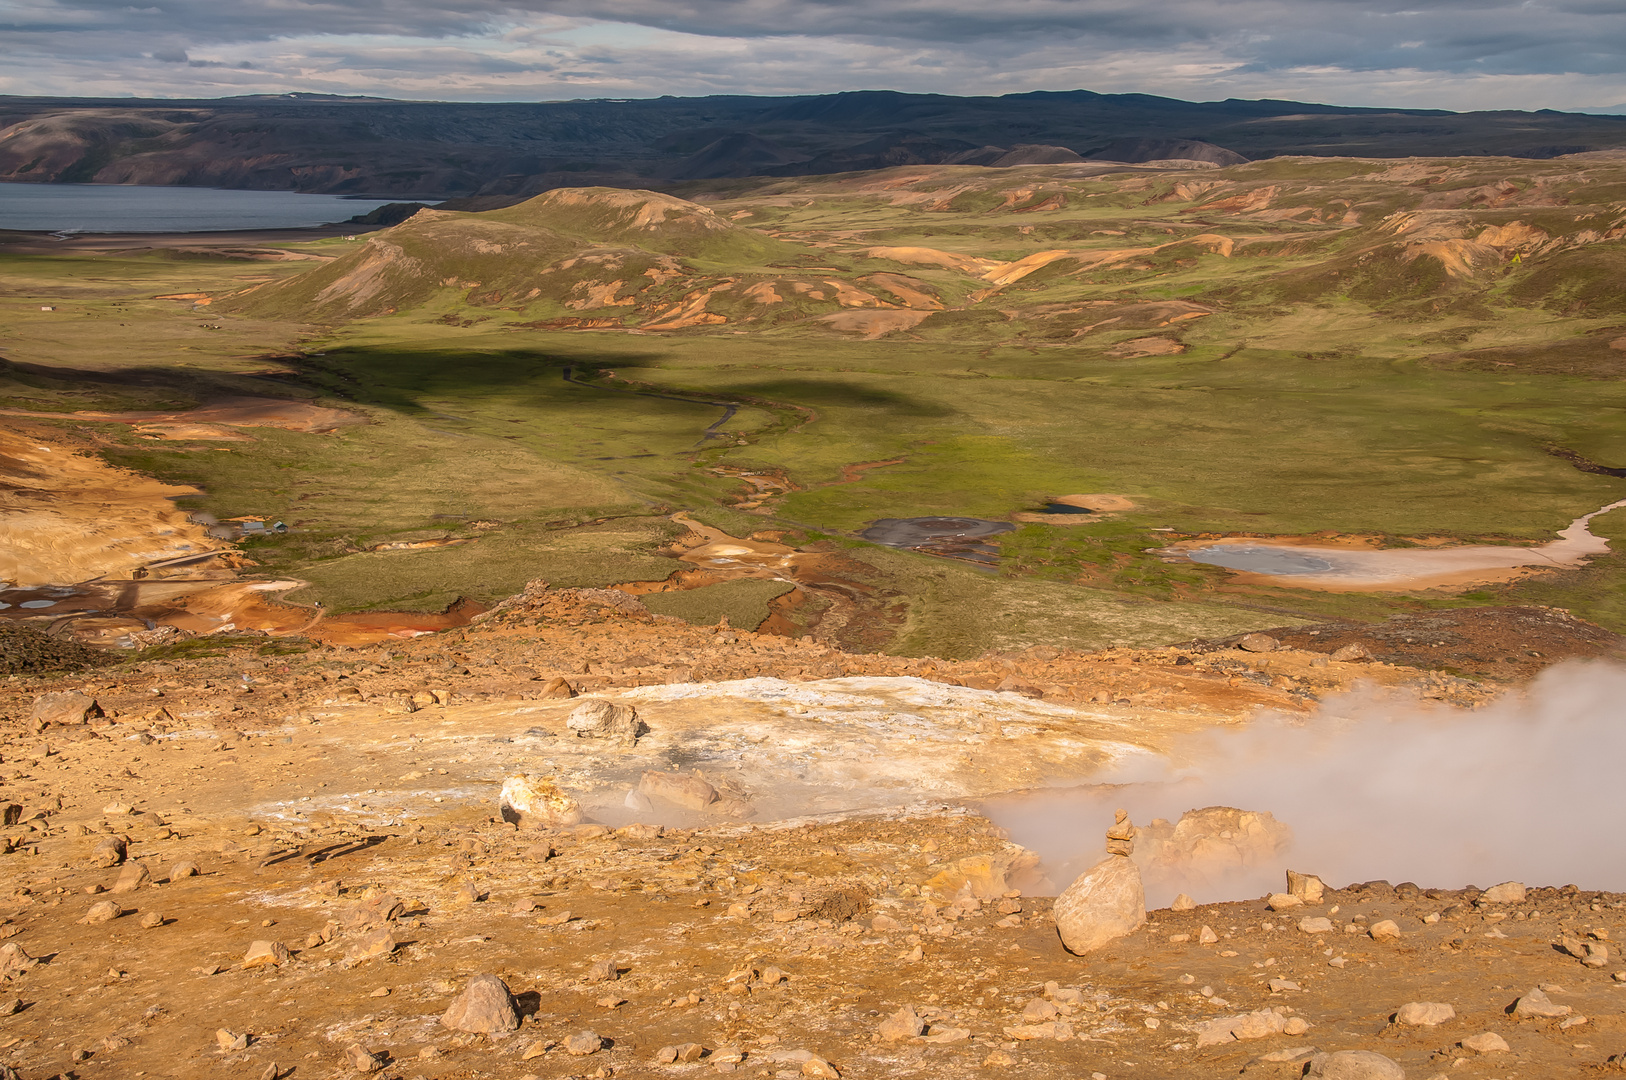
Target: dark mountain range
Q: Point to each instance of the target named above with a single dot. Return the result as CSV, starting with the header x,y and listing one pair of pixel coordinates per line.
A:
x,y
308,142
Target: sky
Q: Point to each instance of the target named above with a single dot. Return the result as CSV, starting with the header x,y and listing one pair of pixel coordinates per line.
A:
x,y
1448,54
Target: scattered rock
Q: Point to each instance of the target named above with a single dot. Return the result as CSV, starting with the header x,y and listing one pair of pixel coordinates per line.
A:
x,y
1538,1005
1318,924
1594,954
1258,643
1013,685
228,1041
1291,1055
1206,936
1486,1042
376,943
1282,901
1508,892
1105,903
485,1006
1424,1014
1385,930
537,802
361,1059
818,1067
266,953
1306,887
104,911
1253,1025
603,971
557,688
132,877
1354,1065
14,960
1182,902
152,920
1039,1011
605,720
109,851
583,1043
1352,653
182,870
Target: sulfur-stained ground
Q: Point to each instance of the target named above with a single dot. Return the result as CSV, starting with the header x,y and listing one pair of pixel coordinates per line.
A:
x,y
315,798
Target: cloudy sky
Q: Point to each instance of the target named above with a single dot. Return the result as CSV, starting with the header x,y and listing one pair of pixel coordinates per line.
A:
x,y
1454,54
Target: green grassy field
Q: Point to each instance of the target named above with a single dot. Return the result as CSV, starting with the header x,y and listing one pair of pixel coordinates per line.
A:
x,y
1280,348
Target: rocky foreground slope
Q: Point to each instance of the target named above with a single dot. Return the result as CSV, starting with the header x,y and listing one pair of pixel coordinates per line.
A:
x,y
274,863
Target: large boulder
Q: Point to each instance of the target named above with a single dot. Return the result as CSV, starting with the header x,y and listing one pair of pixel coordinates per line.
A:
x,y
1538,1005
484,1007
537,802
65,707
1107,902
688,790
605,720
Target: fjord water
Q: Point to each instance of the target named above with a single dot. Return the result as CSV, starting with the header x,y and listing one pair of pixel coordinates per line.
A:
x,y
119,208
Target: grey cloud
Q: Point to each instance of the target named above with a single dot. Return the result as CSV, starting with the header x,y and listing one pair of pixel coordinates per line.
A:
x,y
1202,48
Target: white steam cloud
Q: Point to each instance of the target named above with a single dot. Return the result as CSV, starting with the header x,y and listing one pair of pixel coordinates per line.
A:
x,y
1526,788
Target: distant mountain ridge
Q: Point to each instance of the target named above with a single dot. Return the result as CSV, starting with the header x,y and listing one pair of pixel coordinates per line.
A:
x,y
344,145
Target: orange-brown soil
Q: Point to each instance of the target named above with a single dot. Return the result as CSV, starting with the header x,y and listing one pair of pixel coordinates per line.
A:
x,y
1501,644
304,785
67,517
215,419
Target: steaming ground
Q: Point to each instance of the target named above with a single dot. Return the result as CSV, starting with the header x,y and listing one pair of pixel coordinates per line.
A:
x,y
1379,787
341,804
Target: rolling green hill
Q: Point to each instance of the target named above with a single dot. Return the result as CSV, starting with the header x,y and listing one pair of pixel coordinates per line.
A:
x,y
1416,351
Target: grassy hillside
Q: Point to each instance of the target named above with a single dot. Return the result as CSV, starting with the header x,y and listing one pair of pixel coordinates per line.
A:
x,y
1404,349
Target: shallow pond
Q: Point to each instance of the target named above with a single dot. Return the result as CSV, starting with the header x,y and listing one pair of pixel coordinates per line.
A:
x,y
1357,569
953,537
